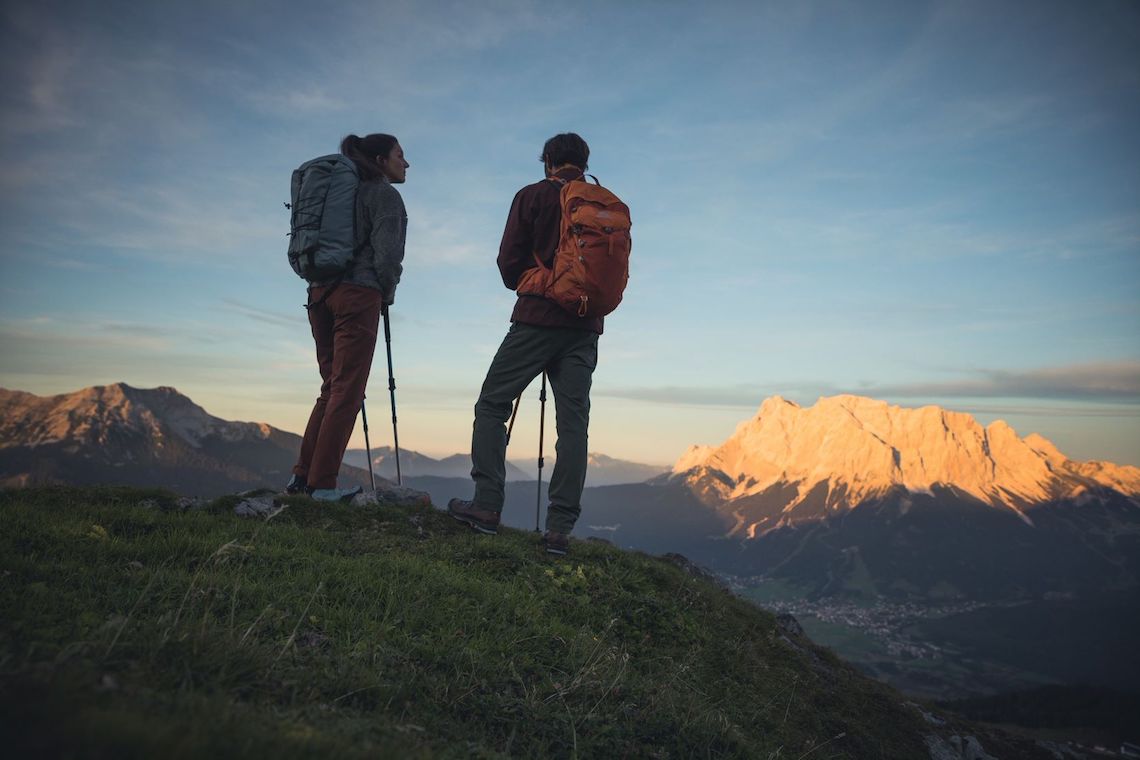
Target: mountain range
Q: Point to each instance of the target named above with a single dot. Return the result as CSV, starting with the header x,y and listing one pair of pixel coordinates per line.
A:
x,y
789,465
159,437
849,499
851,496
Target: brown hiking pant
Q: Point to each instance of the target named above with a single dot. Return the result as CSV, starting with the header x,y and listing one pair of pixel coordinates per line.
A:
x,y
344,328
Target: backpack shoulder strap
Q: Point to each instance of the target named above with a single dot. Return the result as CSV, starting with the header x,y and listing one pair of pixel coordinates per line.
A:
x,y
564,182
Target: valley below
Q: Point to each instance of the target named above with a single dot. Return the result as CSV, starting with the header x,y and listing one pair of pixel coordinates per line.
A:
x,y
957,650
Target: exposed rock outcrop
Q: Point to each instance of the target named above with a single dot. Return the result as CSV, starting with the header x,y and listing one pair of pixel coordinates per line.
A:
x,y
846,450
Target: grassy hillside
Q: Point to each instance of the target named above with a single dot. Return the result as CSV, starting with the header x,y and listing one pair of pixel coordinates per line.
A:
x,y
133,627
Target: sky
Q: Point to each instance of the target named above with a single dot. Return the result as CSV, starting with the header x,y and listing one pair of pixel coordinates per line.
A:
x,y
921,202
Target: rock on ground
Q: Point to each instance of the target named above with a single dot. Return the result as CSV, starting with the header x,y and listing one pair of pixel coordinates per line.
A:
x,y
956,748
258,506
388,492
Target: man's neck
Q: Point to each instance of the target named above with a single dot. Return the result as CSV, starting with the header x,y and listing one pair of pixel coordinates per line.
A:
x,y
551,171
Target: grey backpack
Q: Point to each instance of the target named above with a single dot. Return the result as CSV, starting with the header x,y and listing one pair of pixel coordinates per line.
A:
x,y
321,237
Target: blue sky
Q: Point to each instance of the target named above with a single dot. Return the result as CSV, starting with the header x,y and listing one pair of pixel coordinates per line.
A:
x,y
924,202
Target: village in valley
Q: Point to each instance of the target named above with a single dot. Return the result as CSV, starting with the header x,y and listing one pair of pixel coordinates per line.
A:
x,y
887,623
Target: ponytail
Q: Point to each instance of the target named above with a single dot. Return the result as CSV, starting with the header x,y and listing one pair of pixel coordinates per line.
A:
x,y
364,150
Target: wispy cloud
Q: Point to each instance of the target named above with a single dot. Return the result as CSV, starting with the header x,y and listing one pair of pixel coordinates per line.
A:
x,y
51,355
67,339
1111,411
442,240
730,396
174,219
1101,381
289,100
275,318
1108,382
61,347
969,118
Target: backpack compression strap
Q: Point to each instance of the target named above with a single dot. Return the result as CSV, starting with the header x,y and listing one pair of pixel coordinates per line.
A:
x,y
561,184
314,304
336,283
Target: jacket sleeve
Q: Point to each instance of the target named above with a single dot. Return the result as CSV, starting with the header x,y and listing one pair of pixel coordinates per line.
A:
x,y
516,252
389,232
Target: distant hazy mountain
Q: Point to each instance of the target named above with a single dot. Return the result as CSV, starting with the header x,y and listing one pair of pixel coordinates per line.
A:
x,y
601,471
416,465
854,496
607,471
134,436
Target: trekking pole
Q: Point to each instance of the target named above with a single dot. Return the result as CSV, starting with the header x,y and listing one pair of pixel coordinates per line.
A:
x,y
514,414
541,425
367,445
392,391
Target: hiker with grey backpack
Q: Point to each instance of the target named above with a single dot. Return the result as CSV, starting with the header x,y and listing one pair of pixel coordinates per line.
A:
x,y
348,229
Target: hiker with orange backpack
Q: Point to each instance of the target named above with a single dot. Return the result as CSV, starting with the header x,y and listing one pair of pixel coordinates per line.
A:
x,y
565,251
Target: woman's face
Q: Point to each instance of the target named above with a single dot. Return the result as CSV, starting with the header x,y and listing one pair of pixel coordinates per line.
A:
x,y
393,165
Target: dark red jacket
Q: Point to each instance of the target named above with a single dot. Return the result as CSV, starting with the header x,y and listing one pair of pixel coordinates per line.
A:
x,y
533,226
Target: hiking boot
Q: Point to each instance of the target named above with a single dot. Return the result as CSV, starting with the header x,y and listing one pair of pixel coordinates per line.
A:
x,y
482,520
335,494
297,485
556,543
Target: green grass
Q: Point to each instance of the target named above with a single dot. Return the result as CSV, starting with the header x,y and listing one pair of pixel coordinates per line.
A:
x,y
131,628
776,590
856,645
860,582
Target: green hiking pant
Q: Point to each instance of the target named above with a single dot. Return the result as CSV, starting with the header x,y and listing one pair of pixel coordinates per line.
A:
x,y
569,356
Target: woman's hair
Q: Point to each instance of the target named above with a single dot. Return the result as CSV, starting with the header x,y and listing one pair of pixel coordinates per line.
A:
x,y
567,148
364,150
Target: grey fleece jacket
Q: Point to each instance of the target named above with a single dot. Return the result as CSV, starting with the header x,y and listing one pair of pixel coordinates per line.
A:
x,y
381,229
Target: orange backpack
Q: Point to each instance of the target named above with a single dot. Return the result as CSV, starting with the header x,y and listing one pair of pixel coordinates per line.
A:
x,y
591,264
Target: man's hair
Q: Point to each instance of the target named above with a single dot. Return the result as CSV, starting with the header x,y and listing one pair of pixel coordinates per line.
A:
x,y
566,148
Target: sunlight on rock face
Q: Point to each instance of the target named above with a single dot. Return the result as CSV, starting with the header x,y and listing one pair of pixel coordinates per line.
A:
x,y
867,447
